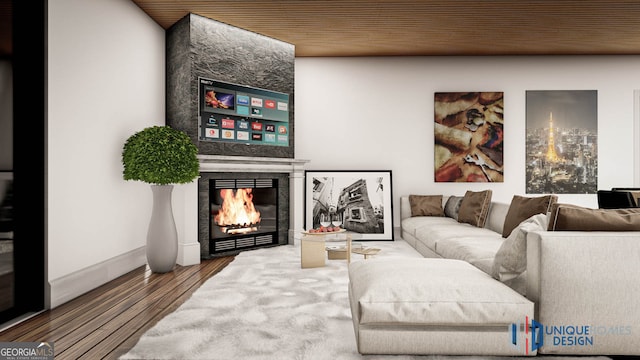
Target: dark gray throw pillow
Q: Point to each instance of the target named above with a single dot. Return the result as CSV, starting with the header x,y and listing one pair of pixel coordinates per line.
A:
x,y
452,206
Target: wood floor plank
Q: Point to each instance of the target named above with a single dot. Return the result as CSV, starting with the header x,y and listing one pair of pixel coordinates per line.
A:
x,y
67,320
107,322
119,332
144,301
132,339
36,326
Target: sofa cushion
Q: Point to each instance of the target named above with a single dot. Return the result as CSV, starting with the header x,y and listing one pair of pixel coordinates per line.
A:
x,y
431,292
475,207
511,258
426,205
438,230
413,224
446,230
522,208
452,206
566,217
477,249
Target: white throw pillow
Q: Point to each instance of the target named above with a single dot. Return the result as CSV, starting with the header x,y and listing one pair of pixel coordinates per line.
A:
x,y
511,258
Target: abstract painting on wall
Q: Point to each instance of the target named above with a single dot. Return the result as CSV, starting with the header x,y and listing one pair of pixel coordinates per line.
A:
x,y
468,135
562,142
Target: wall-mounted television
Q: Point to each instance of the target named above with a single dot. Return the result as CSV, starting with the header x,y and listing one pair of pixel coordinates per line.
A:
x,y
242,114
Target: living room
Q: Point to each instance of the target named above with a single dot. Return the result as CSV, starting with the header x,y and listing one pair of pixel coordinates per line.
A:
x,y
106,80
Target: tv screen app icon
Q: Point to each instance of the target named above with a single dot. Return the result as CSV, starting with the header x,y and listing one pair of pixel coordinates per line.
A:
x,y
228,124
256,126
256,102
228,134
243,100
243,135
212,133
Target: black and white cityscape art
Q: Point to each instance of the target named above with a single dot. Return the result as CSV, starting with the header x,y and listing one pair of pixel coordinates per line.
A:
x,y
562,142
359,202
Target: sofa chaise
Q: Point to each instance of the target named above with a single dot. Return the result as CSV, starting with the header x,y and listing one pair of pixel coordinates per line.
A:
x,y
525,278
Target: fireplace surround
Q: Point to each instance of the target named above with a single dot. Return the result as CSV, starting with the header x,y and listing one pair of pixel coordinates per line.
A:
x,y
288,173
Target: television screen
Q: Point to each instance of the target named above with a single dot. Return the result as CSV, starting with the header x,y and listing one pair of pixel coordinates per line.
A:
x,y
237,113
219,99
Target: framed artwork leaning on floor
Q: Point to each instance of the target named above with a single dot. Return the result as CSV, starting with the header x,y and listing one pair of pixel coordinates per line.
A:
x,y
357,201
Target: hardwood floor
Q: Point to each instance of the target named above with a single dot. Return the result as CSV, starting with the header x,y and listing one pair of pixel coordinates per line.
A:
x,y
107,322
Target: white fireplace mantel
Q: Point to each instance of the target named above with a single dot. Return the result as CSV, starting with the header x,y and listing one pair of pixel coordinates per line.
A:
x,y
189,251
221,163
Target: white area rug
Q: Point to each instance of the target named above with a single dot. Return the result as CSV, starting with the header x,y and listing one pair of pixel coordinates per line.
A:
x,y
265,306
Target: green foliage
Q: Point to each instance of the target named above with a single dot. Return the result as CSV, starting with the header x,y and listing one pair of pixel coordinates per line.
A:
x,y
160,155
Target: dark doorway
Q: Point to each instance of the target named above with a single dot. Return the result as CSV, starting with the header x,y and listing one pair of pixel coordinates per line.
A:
x,y
27,56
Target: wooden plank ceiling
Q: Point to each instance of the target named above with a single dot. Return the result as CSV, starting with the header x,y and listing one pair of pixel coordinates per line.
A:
x,y
425,27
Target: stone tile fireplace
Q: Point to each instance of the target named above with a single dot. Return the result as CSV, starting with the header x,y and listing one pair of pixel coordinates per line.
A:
x,y
256,61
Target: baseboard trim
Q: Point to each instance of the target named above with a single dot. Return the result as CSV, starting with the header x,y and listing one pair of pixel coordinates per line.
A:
x,y
188,254
75,284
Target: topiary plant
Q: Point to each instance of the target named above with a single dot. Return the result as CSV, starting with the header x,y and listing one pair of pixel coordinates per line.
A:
x,y
160,155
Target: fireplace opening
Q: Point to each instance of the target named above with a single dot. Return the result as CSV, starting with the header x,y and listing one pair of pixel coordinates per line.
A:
x,y
243,214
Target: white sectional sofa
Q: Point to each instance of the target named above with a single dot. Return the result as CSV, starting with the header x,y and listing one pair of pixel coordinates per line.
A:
x,y
445,237
584,284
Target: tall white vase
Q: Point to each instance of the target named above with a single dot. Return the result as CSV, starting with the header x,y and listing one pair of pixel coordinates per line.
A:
x,y
162,237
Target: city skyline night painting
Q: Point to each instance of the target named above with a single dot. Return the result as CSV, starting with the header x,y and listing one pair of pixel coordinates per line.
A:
x,y
562,142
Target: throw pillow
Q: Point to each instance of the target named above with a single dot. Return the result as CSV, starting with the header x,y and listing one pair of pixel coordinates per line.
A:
x,y
565,217
511,258
426,205
452,206
522,208
474,207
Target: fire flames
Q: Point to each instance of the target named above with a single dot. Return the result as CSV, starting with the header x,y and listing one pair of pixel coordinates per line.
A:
x,y
237,213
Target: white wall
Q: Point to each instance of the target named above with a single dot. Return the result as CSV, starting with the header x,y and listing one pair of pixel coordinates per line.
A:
x,y
105,82
377,113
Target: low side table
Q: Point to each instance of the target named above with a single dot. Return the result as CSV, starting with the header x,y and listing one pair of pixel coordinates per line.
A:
x,y
367,252
313,248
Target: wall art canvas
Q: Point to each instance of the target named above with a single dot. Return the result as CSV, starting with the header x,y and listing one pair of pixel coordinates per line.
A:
x,y
562,142
469,128
357,201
